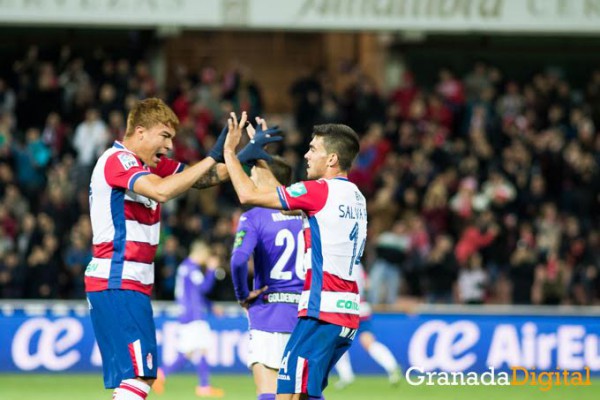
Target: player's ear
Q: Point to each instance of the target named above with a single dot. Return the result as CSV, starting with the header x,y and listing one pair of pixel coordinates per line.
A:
x,y
139,132
333,160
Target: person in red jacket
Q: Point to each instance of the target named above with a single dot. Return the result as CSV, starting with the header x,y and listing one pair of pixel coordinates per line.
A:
x,y
476,236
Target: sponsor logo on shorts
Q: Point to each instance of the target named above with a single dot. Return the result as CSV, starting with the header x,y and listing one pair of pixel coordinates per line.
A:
x,y
282,297
284,377
149,362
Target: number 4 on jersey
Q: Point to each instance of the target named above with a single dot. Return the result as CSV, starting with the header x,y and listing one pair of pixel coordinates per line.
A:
x,y
356,255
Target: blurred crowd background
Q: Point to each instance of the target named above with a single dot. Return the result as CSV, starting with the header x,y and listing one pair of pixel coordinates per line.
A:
x,y
483,187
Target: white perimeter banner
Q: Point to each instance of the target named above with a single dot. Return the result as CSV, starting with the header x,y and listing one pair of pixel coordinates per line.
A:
x,y
510,16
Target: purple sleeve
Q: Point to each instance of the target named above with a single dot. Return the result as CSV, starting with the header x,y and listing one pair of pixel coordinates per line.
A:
x,y
239,275
243,247
208,282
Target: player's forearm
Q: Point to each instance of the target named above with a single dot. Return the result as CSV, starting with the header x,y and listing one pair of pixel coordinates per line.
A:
x,y
172,186
266,175
239,275
242,184
216,174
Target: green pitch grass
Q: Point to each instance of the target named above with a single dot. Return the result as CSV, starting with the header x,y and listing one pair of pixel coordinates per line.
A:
x,y
240,387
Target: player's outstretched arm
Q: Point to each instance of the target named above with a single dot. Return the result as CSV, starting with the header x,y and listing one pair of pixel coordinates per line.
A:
x,y
216,174
163,189
247,192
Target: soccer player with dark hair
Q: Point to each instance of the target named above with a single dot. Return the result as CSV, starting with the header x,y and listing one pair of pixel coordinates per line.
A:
x,y
335,228
274,241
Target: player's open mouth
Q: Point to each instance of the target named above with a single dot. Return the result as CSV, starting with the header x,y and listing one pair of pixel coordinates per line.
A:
x,y
157,157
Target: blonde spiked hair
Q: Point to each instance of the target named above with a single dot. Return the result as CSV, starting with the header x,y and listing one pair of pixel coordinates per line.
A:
x,y
150,112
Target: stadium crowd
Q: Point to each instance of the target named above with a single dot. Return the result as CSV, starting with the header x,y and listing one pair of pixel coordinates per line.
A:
x,y
481,188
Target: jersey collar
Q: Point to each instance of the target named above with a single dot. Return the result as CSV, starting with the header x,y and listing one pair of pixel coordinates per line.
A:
x,y
341,178
120,146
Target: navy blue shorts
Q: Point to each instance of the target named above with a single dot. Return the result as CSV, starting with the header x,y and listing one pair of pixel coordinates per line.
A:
x,y
312,351
126,335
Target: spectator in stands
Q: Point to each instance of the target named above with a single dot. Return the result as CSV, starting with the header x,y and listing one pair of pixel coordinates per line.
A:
x,y
391,251
472,281
90,140
77,257
31,162
8,99
440,271
12,277
448,147
523,263
476,237
166,268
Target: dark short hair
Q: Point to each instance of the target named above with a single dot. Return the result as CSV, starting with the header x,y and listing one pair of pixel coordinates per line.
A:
x,y
281,170
341,140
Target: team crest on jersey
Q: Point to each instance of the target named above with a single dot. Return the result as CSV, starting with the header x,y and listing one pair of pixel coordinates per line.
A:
x,y
127,160
149,362
296,190
239,239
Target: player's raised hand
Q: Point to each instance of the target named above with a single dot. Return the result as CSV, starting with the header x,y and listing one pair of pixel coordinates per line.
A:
x,y
234,130
251,131
252,297
217,151
259,138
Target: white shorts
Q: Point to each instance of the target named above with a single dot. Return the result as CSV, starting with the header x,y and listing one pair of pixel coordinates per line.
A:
x,y
193,336
266,348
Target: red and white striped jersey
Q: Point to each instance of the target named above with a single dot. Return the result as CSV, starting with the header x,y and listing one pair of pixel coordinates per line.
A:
x,y
365,307
125,225
335,232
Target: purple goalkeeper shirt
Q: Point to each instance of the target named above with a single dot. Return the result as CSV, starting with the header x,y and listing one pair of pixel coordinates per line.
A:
x,y
191,288
276,243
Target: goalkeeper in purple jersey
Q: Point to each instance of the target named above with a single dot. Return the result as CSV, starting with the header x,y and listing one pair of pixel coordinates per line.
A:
x,y
275,243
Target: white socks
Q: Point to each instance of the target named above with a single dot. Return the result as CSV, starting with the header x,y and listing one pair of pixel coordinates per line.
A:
x,y
131,389
344,368
383,356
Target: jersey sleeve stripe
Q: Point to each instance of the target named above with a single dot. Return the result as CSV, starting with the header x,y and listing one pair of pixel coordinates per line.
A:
x,y
282,198
135,177
179,168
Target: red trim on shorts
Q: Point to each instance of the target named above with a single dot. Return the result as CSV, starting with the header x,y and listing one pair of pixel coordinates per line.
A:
x,y
136,368
304,388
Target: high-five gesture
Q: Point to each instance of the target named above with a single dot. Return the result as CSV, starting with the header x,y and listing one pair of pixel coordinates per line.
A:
x,y
234,133
259,138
